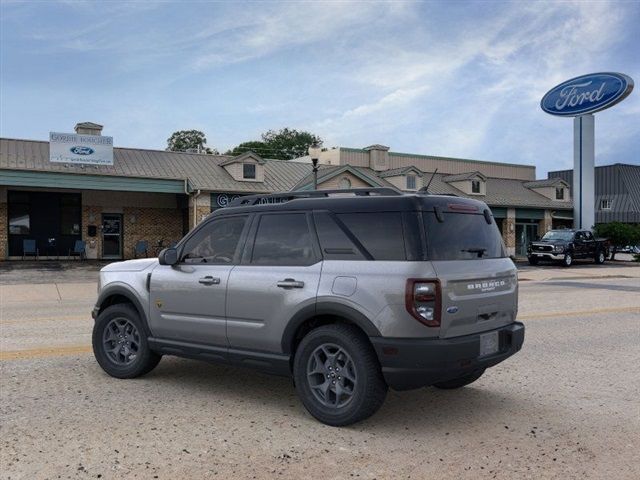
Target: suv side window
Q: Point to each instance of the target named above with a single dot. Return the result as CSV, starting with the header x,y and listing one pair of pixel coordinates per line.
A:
x,y
215,243
283,239
380,233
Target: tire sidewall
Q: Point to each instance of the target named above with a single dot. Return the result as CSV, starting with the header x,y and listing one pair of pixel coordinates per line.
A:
x,y
145,357
568,260
351,412
600,257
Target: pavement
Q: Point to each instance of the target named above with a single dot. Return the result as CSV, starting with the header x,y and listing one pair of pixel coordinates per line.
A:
x,y
566,406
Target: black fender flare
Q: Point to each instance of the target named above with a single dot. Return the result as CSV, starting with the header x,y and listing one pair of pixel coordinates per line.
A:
x,y
326,308
121,290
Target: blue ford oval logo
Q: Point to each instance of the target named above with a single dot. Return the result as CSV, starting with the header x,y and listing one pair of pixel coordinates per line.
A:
x,y
587,94
453,309
82,150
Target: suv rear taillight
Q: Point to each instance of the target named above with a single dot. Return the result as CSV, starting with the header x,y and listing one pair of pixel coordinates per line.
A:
x,y
423,300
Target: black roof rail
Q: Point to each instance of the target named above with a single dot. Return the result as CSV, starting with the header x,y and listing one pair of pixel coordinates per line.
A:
x,y
282,197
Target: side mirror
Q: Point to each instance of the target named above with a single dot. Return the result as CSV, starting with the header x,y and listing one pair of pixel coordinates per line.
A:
x,y
168,256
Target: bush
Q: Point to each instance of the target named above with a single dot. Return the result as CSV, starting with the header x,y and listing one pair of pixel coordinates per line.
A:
x,y
619,234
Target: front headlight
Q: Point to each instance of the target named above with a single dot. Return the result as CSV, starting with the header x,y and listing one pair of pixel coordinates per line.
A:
x,y
559,248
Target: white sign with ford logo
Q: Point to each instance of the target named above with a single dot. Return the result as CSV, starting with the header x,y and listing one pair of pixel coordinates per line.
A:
x,y
80,149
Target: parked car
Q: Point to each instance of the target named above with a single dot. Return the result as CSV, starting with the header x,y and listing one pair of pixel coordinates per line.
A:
x,y
349,292
565,246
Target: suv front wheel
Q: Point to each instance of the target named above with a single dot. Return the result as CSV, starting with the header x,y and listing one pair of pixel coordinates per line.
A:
x,y
120,343
338,376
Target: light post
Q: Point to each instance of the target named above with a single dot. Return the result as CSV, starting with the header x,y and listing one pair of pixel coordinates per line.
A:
x,y
314,153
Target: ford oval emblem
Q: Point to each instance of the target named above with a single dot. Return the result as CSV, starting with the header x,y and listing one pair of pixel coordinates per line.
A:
x,y
78,150
587,94
453,309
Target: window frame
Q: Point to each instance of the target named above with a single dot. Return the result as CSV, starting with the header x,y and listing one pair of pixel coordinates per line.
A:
x,y
478,183
608,203
255,171
247,252
559,193
206,224
414,179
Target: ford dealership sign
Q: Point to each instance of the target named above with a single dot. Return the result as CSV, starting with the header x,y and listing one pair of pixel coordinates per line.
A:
x,y
80,149
587,94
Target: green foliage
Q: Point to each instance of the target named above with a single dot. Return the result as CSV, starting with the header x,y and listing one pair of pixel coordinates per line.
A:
x,y
255,146
283,144
619,234
184,140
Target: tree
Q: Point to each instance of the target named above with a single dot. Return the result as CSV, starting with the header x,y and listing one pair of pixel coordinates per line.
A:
x,y
255,146
184,140
283,144
619,234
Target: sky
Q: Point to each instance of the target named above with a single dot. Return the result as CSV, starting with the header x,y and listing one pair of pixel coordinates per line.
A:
x,y
451,78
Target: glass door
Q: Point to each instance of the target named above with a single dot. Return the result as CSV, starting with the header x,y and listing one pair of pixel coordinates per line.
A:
x,y
112,236
525,233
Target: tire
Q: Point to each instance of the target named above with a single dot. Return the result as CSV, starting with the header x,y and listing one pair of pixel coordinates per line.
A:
x,y
460,381
362,386
131,356
533,260
600,257
568,260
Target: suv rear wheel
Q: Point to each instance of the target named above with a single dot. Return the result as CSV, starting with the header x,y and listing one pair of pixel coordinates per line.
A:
x,y
120,343
600,257
338,376
460,381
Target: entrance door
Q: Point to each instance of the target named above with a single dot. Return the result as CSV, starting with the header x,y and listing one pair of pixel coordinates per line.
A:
x,y
112,236
525,233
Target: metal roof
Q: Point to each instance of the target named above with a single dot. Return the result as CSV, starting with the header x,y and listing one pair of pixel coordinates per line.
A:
x,y
394,172
547,182
463,176
202,171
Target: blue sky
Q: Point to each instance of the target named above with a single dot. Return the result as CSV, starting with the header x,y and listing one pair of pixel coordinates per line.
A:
x,y
460,79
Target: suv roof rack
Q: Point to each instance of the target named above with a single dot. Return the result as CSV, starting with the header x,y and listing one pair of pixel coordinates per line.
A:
x,y
287,196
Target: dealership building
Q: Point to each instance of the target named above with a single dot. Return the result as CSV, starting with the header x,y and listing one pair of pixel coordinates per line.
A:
x,y
78,187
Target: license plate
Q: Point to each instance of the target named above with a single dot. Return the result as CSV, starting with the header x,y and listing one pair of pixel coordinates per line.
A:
x,y
539,255
489,343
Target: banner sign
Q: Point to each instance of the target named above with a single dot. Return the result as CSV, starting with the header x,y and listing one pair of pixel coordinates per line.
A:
x,y
80,149
587,94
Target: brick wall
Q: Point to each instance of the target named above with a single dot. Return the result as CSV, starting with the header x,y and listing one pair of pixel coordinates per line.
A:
x,y
509,231
152,225
4,237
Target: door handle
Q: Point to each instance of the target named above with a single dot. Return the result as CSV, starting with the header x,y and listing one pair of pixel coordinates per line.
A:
x,y
290,283
209,280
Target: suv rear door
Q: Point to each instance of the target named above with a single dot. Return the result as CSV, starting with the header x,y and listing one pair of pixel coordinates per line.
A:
x,y
278,275
478,281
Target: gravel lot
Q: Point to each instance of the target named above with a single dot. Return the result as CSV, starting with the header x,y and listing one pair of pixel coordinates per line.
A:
x,y
566,406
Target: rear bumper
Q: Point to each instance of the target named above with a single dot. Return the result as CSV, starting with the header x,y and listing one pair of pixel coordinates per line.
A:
x,y
414,363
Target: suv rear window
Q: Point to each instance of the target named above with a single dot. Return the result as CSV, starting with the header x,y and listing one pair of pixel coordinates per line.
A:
x,y
379,233
462,236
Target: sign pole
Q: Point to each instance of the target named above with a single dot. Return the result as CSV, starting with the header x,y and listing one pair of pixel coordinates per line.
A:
x,y
583,171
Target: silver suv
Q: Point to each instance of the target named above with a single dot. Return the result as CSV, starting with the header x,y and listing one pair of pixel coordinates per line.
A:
x,y
348,292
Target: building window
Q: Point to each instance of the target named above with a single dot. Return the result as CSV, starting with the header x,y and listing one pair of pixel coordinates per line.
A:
x,y
19,218
559,193
475,186
249,170
345,183
605,204
411,182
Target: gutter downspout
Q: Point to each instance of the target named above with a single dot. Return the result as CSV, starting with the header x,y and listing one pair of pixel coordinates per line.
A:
x,y
195,207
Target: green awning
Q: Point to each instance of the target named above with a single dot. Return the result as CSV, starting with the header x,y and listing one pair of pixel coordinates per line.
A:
x,y
529,214
499,212
24,178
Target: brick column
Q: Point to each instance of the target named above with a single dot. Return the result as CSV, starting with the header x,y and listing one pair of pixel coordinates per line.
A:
x,y
202,206
509,231
4,227
545,224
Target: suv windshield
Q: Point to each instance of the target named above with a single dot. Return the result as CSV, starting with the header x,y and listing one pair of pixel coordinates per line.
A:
x,y
462,236
557,235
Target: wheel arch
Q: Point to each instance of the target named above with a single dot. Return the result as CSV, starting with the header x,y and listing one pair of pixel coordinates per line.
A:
x,y
117,294
323,313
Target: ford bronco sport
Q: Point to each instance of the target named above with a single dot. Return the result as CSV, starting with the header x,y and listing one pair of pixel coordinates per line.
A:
x,y
348,292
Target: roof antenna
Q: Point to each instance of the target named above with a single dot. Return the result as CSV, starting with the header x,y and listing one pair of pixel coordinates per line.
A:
x,y
426,189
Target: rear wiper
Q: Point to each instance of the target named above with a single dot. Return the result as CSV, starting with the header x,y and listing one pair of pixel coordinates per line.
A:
x,y
479,251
